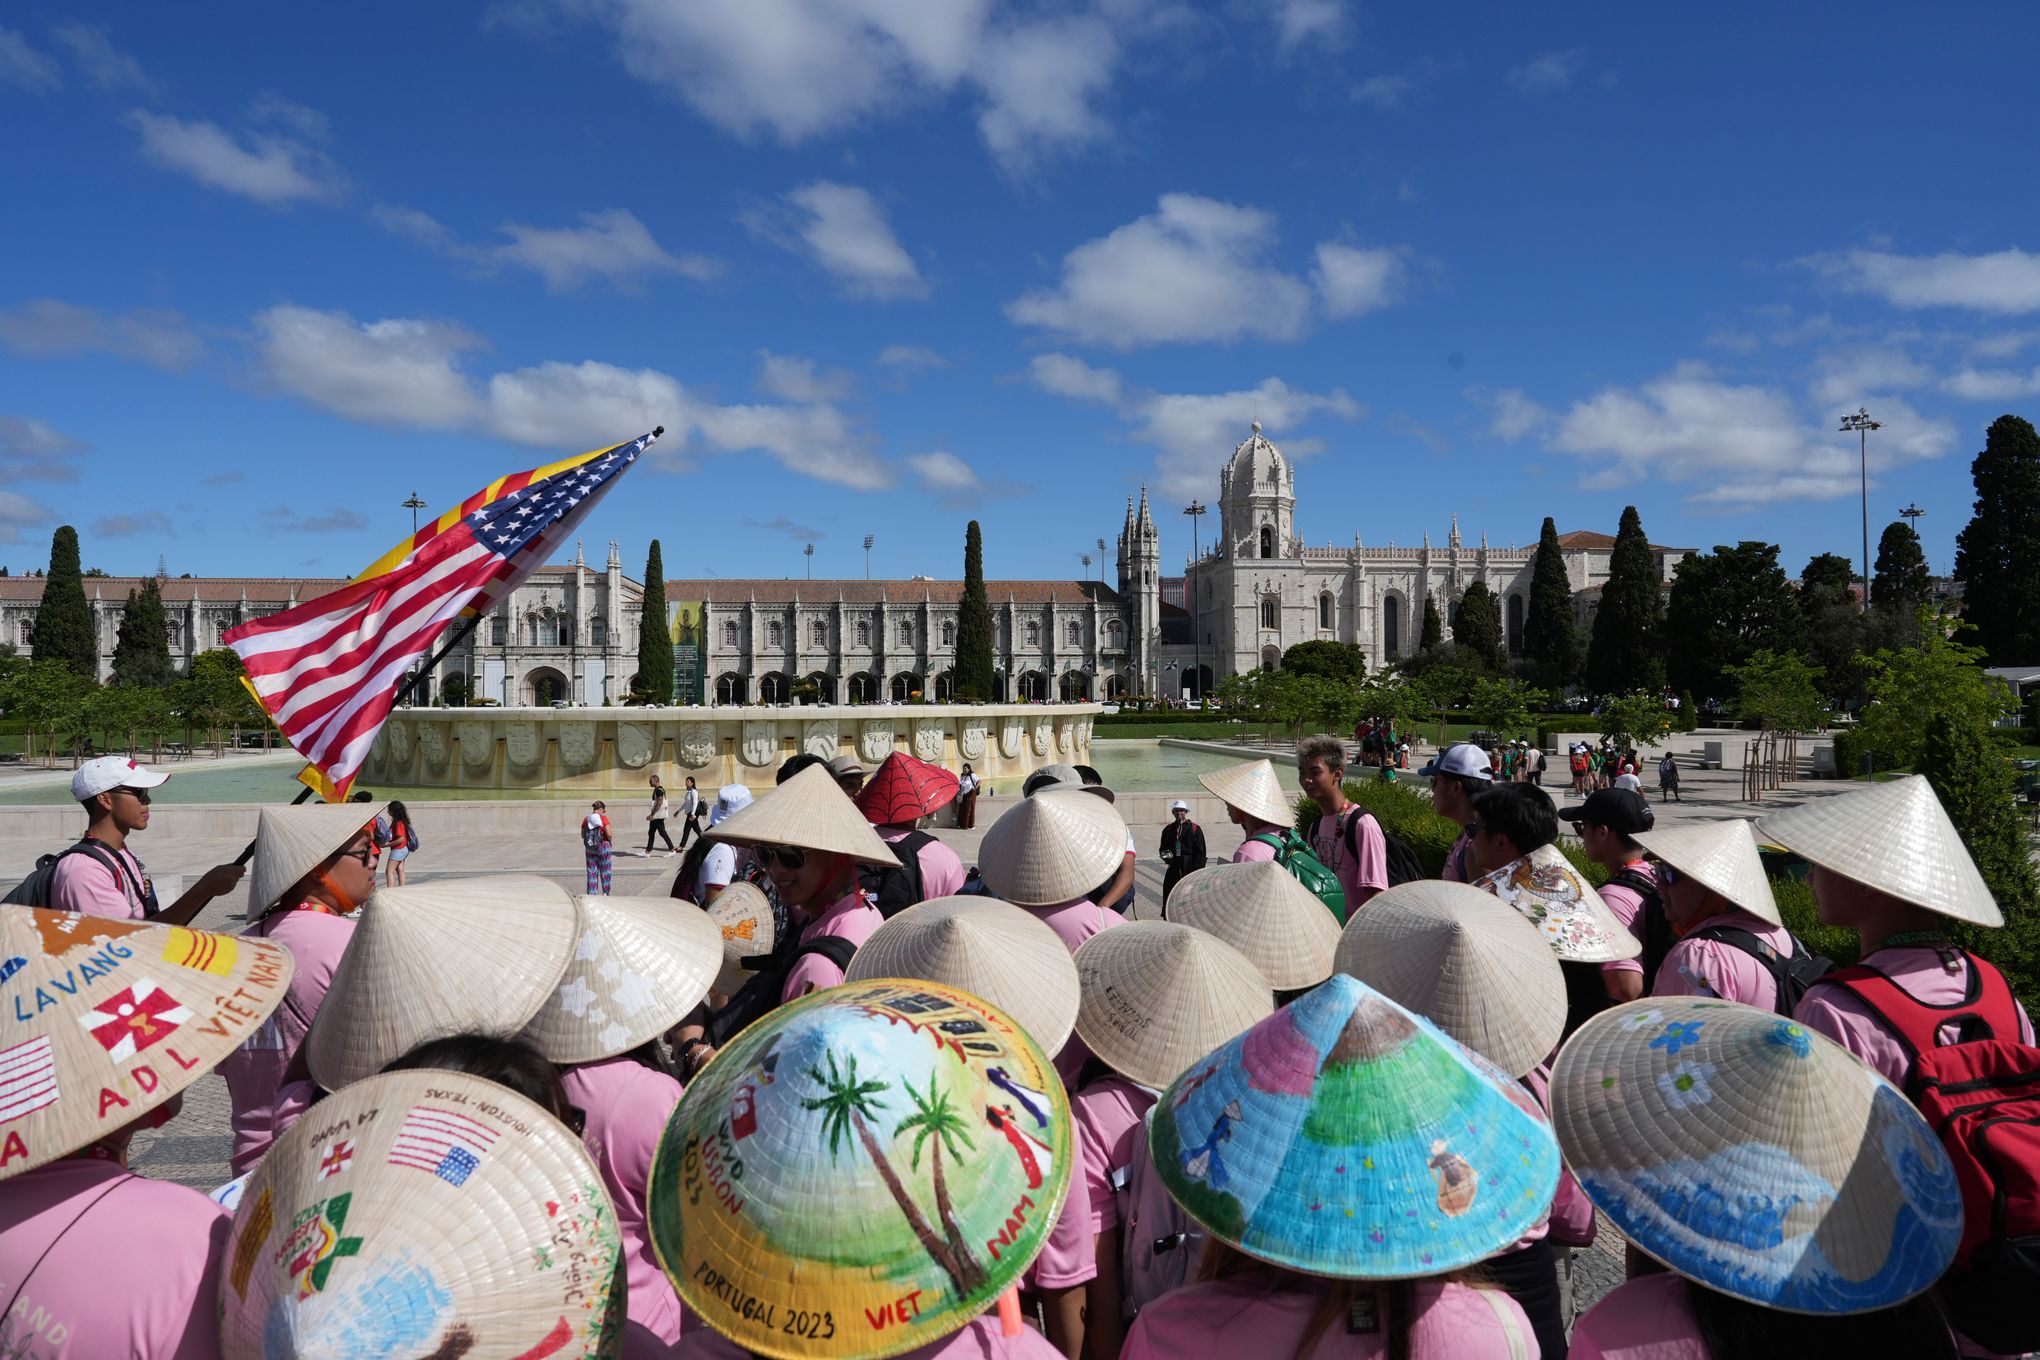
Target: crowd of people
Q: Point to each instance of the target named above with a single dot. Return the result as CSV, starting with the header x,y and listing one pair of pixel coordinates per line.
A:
x,y
840,1094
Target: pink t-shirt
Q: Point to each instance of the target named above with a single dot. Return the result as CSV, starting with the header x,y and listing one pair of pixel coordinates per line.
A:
x,y
1627,904
1265,1313
253,1072
1070,1257
1076,922
1831,1009
941,870
81,883
1453,872
626,1105
1361,875
132,1265
1251,849
978,1341
1108,1114
1711,968
1645,1319
851,917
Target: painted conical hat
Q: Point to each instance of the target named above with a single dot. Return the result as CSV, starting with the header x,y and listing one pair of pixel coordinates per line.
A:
x,y
1052,848
1158,995
811,811
1755,1156
1480,972
1345,1136
640,964
1719,855
453,956
290,842
904,1151
904,789
1544,886
114,1017
1896,838
1252,787
991,949
423,1213
1261,910
744,915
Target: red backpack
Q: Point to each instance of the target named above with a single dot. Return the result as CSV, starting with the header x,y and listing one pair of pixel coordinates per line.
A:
x,y
1981,1094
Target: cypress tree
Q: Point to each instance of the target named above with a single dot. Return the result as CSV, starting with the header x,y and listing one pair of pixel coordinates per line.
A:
x,y
655,639
141,656
1434,627
1997,554
974,624
1478,625
63,622
1548,632
1623,655
1903,583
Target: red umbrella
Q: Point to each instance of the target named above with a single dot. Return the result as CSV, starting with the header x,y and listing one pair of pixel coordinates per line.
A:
x,y
904,790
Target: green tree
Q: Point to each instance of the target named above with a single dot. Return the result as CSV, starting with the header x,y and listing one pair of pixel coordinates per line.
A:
x,y
1434,627
1477,626
1331,660
141,655
47,697
1725,606
1780,690
63,621
1997,554
1400,701
1903,583
453,691
1548,632
974,664
1446,674
655,639
1317,703
212,697
1831,629
1974,782
1633,719
1622,653
1502,705
1908,687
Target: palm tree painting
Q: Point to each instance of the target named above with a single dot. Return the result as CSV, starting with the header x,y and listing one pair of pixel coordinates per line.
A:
x,y
847,1106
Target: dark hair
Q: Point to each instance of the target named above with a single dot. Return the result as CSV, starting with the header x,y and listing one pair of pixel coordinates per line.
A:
x,y
1734,1330
1521,814
398,812
1088,775
362,796
507,1062
795,764
599,806
690,781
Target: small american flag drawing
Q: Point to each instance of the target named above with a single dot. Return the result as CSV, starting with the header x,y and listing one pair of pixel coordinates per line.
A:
x,y
28,1078
448,1145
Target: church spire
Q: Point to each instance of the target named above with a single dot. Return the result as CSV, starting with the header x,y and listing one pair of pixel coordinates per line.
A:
x,y
1453,541
1146,522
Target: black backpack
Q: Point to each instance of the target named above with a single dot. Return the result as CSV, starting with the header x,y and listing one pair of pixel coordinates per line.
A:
x,y
35,890
893,890
1790,976
1403,864
1652,928
760,993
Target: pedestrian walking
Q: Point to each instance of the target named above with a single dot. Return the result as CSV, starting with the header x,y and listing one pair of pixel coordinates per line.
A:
x,y
690,812
597,847
1668,778
1182,847
655,821
403,841
966,799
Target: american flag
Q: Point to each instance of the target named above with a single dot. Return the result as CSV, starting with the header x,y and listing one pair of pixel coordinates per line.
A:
x,y
327,671
28,1078
447,1144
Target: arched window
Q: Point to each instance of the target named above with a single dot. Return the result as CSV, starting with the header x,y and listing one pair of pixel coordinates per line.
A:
x,y
1324,612
1033,634
864,632
772,688
948,633
1267,540
729,633
1271,657
775,636
945,686
531,630
906,633
1515,623
1271,612
818,634
1391,626
729,688
1073,632
1115,633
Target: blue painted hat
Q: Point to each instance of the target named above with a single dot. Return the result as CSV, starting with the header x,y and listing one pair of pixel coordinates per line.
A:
x,y
1346,1136
1754,1156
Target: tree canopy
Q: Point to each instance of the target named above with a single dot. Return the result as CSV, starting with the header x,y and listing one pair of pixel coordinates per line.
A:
x,y
1726,606
655,637
1623,652
1997,554
1831,630
1780,690
1903,583
1477,624
1327,659
1633,719
141,654
974,664
1434,627
1548,632
1908,687
63,621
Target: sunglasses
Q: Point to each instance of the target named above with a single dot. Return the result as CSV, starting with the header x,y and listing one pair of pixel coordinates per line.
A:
x,y
365,855
139,795
786,856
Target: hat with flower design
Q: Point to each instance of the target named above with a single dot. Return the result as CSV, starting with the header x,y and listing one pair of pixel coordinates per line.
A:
x,y
1754,1156
1544,886
639,965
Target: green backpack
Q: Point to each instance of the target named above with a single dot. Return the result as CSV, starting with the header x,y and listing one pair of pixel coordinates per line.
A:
x,y
1293,853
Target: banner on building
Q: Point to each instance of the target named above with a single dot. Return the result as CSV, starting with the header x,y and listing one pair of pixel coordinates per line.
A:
x,y
689,640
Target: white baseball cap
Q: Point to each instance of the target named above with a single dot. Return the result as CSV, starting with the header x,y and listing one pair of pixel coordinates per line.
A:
x,y
1463,759
729,799
101,773
1179,806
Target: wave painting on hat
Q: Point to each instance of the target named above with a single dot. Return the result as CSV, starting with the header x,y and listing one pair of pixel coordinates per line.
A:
x,y
1052,848
810,811
744,915
1895,838
110,1018
1261,910
1720,856
1344,1136
423,1213
1158,995
290,842
1753,1155
903,789
639,965
1251,786
861,1172
1544,887
991,949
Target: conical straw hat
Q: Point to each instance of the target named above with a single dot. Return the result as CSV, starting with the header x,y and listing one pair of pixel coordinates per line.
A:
x,y
1252,787
1753,1155
1719,855
290,842
1577,924
114,1017
811,811
991,949
453,956
1480,972
1158,995
904,789
1052,848
1260,910
904,1151
640,965
423,1213
743,914
1345,1136
1895,838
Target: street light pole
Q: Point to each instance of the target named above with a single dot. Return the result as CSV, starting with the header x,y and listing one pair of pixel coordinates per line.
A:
x,y
1862,424
1196,511
809,553
868,540
414,505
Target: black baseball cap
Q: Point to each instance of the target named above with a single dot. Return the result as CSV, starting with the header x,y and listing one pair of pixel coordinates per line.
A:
x,y
1620,810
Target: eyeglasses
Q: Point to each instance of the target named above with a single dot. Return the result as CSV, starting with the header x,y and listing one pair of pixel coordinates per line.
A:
x,y
139,795
788,856
365,855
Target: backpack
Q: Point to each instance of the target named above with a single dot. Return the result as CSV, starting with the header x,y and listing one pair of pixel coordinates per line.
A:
x,y
591,834
1579,763
760,993
893,889
35,890
1293,854
1981,1094
1403,864
1790,976
410,836
1162,1244
1655,934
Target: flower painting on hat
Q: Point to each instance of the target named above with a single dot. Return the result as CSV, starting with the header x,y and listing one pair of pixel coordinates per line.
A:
x,y
862,1171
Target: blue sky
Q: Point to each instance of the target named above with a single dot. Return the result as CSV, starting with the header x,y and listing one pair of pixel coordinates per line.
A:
x,y
880,266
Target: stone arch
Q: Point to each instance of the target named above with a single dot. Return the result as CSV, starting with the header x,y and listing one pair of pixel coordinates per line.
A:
x,y
774,688
1271,612
825,686
1073,687
1327,612
864,688
945,686
904,686
1116,685
731,688
1271,657
1267,540
1391,626
1031,687
546,686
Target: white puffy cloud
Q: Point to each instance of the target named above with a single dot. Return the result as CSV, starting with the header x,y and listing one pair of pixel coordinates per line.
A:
x,y
841,228
397,373
1511,413
269,169
906,358
586,406
1354,280
612,245
1849,376
1549,72
797,378
1068,376
1385,90
1040,81
2006,282
1992,384
1321,23
26,69
819,441
18,512
2003,344
105,65
32,450
48,329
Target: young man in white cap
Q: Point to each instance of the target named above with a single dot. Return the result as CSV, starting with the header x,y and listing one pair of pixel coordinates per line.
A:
x,y
1456,774
102,876
1607,823
1182,847
1347,838
719,867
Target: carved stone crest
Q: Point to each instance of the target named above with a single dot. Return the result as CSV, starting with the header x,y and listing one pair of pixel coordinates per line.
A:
x,y
876,741
1064,735
928,734
577,744
1083,734
696,744
1044,733
432,742
400,742
970,741
1012,733
477,743
379,751
820,739
522,745
759,744
634,744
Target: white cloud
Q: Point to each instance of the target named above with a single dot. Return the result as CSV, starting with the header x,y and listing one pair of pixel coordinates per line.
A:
x,y
612,245
1992,384
106,66
799,379
1039,83
2003,345
1319,22
1353,280
943,471
269,169
1511,413
26,69
18,512
818,441
31,450
49,329
398,373
271,107
1068,376
152,522
1550,72
421,227
1385,91
587,405
1196,269
907,358
842,229
1851,376
2006,282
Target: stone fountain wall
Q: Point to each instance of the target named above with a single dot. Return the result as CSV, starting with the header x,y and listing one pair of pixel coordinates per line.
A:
x,y
598,750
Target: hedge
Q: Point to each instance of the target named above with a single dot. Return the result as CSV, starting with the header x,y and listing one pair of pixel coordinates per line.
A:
x,y
1166,717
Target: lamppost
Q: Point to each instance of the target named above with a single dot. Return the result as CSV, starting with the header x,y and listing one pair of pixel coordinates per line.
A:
x,y
1862,424
414,505
1087,565
809,553
1196,511
868,540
